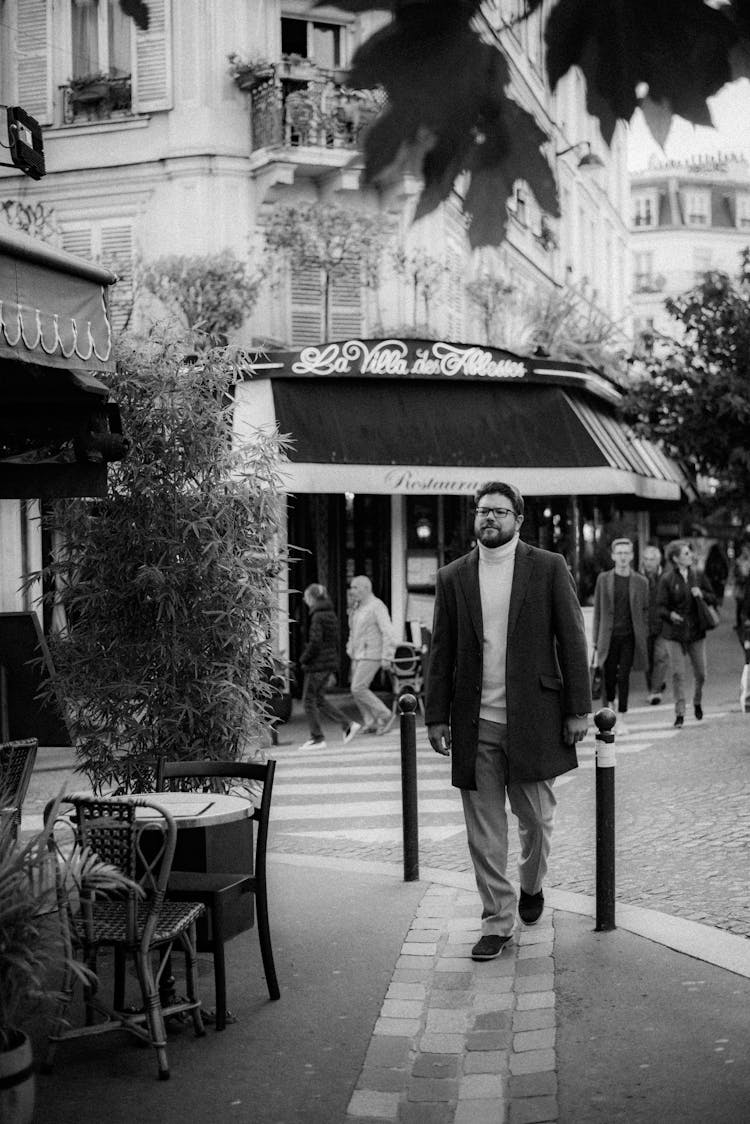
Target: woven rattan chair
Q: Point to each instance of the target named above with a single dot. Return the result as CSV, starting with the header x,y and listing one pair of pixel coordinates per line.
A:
x,y
16,766
138,837
218,890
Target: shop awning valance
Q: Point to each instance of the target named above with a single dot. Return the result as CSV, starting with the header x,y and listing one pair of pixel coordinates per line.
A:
x,y
53,309
443,436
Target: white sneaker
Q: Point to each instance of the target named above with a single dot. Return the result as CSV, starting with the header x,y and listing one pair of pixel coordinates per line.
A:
x,y
620,728
351,731
384,726
312,743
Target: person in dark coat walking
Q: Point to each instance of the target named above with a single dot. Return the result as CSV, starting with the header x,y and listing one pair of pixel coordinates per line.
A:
x,y
508,697
620,627
680,587
319,661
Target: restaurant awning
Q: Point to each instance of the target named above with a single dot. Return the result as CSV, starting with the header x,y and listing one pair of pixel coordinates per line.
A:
x,y
57,428
550,427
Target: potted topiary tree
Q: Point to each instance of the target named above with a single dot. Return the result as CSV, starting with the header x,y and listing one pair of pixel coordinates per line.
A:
x,y
32,949
249,72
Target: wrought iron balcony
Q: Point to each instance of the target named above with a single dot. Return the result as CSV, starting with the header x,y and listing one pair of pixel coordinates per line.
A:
x,y
313,111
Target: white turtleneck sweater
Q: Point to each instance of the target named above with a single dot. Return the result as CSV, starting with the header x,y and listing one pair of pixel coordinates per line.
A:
x,y
496,567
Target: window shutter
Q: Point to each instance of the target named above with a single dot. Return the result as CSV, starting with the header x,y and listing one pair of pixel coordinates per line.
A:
x,y
116,252
78,240
152,66
346,305
306,290
33,59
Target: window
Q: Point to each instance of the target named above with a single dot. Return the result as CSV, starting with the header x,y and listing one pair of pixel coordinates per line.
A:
x,y
643,270
321,42
100,33
743,212
110,242
697,208
644,210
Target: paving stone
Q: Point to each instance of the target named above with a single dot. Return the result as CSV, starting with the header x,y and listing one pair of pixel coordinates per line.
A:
x,y
367,1102
423,923
451,963
535,966
504,965
492,1020
432,1089
411,961
488,1040
435,1065
539,1019
401,1009
535,1040
455,980
535,936
406,991
397,1027
441,1043
388,1051
446,1022
533,1111
542,982
421,1112
423,935
486,1061
532,1061
383,1080
489,984
535,999
411,973
497,1001
539,1084
481,1086
480,1112
450,999
423,949
533,951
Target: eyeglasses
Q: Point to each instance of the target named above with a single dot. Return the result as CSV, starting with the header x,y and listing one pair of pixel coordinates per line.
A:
x,y
498,512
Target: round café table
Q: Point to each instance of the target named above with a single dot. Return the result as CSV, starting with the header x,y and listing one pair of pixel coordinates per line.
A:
x,y
200,810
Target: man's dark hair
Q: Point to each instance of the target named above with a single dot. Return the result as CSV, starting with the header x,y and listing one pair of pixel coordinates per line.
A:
x,y
508,490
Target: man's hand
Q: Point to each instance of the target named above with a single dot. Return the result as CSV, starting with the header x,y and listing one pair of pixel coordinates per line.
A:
x,y
675,617
574,729
440,738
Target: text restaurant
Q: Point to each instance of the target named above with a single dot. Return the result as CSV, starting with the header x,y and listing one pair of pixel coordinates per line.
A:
x,y
391,438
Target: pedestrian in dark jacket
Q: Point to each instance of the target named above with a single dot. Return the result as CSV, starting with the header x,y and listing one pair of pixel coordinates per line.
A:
x,y
680,587
319,661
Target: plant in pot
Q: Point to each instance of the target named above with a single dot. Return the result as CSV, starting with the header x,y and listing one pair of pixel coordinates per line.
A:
x,y
32,949
249,72
89,88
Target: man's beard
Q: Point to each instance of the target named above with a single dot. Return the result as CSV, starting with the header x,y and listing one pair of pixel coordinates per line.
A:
x,y
494,536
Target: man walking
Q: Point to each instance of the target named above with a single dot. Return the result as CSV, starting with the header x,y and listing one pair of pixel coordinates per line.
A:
x,y
620,627
370,647
508,698
658,656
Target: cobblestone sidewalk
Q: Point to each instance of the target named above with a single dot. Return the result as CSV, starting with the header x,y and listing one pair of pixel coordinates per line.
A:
x,y
461,1042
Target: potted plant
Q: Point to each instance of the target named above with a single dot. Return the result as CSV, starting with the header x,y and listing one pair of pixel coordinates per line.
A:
x,y
89,88
249,72
32,949
299,68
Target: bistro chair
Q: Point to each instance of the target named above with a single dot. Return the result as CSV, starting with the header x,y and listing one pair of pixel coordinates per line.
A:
x,y
407,676
16,766
218,890
137,836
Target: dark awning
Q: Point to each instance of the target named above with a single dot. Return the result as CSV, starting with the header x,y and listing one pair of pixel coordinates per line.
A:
x,y
549,431
57,428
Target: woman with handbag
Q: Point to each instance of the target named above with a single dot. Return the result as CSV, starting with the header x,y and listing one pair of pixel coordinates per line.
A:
x,y
683,600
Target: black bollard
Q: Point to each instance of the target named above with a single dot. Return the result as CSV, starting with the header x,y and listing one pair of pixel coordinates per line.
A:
x,y
605,819
745,676
408,707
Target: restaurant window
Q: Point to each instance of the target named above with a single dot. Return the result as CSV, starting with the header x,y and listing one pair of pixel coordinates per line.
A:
x,y
743,211
313,39
697,208
644,210
101,38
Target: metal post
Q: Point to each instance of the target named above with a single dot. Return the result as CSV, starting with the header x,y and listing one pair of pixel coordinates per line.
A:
x,y
745,676
605,819
408,707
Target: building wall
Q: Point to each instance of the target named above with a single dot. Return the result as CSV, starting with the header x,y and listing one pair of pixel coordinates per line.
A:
x,y
687,217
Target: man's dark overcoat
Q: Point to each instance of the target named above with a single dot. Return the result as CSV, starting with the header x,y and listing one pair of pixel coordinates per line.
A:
x,y
547,674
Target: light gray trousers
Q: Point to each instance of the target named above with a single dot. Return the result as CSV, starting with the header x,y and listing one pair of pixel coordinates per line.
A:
x,y
533,802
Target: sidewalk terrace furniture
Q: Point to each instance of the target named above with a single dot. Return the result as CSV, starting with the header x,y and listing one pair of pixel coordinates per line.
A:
x,y
222,877
407,674
138,836
16,766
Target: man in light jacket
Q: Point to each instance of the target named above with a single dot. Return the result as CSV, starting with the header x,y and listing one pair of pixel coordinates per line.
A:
x,y
370,647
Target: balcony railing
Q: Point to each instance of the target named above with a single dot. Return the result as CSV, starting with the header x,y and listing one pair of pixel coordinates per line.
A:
x,y
314,112
97,100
